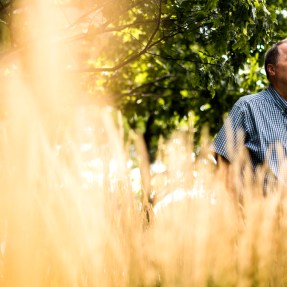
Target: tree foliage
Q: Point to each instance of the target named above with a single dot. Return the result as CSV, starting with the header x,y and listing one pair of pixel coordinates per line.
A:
x,y
160,60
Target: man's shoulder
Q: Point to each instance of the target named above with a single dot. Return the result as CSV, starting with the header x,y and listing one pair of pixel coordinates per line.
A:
x,y
254,99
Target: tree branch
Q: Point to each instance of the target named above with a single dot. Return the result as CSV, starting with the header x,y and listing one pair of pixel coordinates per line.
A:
x,y
168,57
156,80
135,56
103,29
97,9
150,43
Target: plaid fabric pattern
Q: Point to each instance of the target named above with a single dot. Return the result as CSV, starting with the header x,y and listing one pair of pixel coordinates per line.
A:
x,y
262,120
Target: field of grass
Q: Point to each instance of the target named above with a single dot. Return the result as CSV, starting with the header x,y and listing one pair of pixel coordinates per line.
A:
x,y
70,217
62,228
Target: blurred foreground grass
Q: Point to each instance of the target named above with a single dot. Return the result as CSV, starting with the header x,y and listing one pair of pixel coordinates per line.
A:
x,y
69,215
60,227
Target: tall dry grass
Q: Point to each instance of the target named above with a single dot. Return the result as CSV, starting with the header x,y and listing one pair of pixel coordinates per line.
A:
x,y
68,215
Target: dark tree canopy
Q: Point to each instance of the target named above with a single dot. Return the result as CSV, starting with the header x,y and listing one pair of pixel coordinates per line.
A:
x,y
161,60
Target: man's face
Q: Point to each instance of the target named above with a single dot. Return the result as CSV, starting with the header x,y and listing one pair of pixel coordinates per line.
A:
x,y
280,69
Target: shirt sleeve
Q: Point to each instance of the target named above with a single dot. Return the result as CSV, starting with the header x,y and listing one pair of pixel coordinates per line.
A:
x,y
232,133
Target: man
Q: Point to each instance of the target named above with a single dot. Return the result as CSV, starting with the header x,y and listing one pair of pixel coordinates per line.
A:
x,y
259,121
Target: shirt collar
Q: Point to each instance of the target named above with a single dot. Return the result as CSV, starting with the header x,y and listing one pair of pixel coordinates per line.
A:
x,y
279,101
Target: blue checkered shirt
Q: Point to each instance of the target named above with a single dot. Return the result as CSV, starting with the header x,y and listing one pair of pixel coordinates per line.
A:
x,y
262,120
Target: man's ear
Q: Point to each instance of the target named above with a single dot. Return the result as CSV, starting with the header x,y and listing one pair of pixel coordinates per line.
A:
x,y
271,69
